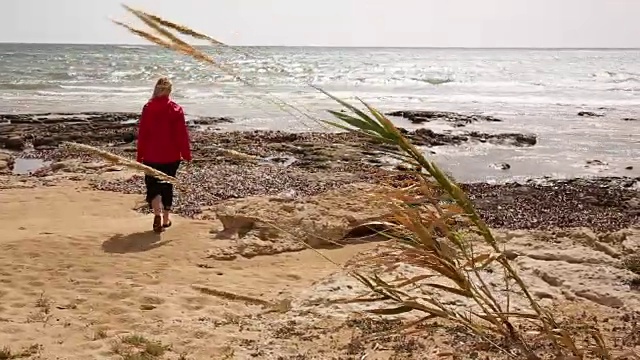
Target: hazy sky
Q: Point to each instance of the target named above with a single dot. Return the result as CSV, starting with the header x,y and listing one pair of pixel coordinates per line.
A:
x,y
456,23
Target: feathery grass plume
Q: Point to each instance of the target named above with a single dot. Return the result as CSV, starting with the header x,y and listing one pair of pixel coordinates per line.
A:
x,y
172,42
184,30
177,42
119,160
237,155
179,28
432,235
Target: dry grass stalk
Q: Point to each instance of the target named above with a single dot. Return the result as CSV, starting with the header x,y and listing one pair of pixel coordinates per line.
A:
x,y
179,28
428,230
119,160
172,42
156,22
184,30
233,297
238,155
432,236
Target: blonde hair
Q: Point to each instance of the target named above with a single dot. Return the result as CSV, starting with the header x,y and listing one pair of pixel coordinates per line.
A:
x,y
163,87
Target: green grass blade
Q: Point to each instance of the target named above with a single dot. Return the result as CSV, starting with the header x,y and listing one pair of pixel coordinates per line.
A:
x,y
391,131
354,109
353,121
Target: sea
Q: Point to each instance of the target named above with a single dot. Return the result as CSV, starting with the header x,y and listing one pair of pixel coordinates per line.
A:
x,y
539,91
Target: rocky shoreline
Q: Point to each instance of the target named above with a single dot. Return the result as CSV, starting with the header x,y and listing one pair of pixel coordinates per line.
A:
x,y
46,131
304,164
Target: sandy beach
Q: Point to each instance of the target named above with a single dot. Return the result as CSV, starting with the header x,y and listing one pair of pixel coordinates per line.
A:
x,y
81,274
83,277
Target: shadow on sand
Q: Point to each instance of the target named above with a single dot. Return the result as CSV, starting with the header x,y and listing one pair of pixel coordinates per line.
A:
x,y
133,243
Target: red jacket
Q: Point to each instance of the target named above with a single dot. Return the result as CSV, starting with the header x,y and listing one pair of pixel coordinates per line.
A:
x,y
162,132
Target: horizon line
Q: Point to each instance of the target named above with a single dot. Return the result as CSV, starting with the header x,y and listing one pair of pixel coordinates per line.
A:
x,y
346,46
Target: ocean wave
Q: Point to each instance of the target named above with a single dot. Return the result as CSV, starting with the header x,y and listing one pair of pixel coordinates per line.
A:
x,y
198,94
625,80
433,81
50,88
107,89
130,47
625,89
59,75
28,86
617,77
96,94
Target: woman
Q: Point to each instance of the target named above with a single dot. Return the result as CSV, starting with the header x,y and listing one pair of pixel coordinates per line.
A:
x,y
163,142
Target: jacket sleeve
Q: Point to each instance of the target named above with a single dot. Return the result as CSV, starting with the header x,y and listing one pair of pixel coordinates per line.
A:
x,y
143,134
183,135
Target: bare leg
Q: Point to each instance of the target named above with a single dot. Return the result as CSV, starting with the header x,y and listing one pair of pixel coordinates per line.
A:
x,y
165,217
156,204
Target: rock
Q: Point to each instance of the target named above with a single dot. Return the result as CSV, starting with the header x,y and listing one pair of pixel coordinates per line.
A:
x,y
585,235
7,162
596,163
95,166
569,295
511,254
501,166
44,141
629,168
62,165
607,249
548,277
513,139
252,246
571,256
428,137
129,137
422,116
113,168
7,157
238,226
15,143
629,119
48,130
205,120
320,221
631,244
589,114
594,280
223,254
616,238
4,167
543,294
70,166
600,298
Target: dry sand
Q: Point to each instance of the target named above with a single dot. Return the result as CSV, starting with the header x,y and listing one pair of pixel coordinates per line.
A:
x,y
80,272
